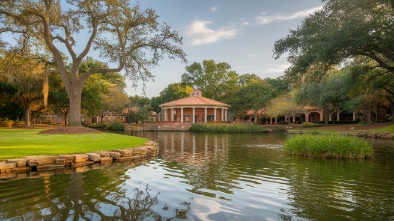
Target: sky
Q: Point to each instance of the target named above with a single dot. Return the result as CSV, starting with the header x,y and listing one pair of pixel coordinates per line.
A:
x,y
240,33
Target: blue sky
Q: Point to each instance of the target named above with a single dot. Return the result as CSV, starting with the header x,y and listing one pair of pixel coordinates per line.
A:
x,y
241,33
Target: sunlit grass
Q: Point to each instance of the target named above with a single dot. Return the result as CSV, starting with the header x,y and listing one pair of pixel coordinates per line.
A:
x,y
388,129
15,143
328,146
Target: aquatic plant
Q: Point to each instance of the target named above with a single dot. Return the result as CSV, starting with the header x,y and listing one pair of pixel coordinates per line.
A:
x,y
328,146
228,128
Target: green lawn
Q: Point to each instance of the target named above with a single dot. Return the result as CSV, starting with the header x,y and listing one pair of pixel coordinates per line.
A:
x,y
16,143
388,129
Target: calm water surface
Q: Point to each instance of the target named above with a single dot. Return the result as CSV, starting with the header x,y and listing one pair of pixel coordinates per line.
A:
x,y
212,177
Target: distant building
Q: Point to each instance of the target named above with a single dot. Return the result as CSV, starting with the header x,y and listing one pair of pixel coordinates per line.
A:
x,y
194,109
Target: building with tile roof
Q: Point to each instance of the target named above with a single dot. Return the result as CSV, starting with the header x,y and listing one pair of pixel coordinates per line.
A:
x,y
195,109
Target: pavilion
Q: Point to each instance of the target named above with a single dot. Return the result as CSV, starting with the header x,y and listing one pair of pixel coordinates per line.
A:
x,y
194,109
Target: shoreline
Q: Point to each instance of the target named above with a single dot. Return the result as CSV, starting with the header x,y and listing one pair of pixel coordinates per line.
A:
x,y
12,168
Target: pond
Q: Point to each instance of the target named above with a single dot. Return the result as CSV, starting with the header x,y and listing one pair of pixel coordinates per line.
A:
x,y
199,176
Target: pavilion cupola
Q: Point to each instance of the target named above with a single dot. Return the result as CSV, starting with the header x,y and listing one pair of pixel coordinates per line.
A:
x,y
195,93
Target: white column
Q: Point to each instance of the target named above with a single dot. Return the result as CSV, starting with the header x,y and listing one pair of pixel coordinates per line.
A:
x,y
225,115
194,115
321,115
165,115
306,116
172,114
205,120
214,114
354,116
181,114
222,118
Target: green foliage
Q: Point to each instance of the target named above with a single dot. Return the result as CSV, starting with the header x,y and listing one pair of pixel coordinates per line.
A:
x,y
328,146
9,123
215,80
115,126
345,31
309,125
279,130
20,143
129,37
227,128
98,126
254,96
171,93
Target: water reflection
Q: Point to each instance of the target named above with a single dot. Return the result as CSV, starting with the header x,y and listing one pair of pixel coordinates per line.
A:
x,y
212,177
73,197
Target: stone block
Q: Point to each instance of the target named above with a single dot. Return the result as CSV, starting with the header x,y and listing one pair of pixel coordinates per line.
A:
x,y
129,158
60,161
7,165
104,154
68,157
79,158
107,159
39,160
94,157
21,169
126,152
82,163
115,155
20,162
50,167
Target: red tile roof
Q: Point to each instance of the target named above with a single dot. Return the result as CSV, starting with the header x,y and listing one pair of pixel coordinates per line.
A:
x,y
194,101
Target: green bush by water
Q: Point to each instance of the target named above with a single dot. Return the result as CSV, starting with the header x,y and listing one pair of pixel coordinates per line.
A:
x,y
227,128
279,129
328,146
115,126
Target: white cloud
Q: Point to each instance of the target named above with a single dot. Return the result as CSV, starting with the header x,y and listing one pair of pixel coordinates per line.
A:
x,y
278,68
213,9
201,34
265,19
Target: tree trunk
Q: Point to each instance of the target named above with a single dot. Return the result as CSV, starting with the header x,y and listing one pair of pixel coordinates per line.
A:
x,y
27,111
75,105
369,117
66,117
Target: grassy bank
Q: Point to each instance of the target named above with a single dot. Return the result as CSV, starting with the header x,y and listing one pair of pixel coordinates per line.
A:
x,y
227,128
16,143
328,146
387,129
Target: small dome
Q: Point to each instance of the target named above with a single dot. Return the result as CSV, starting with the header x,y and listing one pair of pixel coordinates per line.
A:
x,y
195,93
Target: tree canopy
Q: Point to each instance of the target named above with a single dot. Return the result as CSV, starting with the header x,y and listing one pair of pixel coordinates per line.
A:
x,y
213,79
125,36
343,29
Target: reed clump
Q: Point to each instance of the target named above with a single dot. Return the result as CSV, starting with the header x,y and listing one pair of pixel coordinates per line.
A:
x,y
227,128
328,146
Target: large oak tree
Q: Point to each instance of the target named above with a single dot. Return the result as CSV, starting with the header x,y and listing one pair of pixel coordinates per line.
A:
x,y
343,29
127,37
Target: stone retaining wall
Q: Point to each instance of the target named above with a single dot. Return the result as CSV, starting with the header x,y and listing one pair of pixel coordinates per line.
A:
x,y
48,163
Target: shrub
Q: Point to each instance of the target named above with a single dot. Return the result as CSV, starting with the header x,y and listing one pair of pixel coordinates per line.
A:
x,y
115,125
227,128
328,146
309,125
279,130
9,123
100,125
283,122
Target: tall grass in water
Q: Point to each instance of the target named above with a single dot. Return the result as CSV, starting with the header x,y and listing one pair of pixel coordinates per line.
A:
x,y
227,128
328,146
